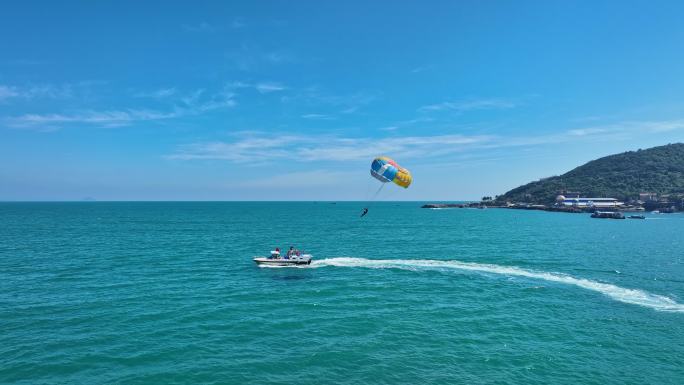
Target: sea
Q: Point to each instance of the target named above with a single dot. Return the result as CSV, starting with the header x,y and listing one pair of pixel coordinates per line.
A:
x,y
167,293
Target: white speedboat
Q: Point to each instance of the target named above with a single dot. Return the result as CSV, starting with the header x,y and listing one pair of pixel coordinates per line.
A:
x,y
276,259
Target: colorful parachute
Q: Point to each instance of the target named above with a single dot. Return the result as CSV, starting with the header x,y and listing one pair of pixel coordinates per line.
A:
x,y
386,170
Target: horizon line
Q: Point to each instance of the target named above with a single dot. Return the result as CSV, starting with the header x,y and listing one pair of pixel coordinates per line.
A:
x,y
228,201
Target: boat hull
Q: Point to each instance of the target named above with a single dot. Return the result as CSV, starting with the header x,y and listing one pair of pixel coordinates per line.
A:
x,y
283,262
608,215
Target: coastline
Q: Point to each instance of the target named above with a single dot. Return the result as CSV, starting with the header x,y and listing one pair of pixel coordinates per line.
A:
x,y
557,209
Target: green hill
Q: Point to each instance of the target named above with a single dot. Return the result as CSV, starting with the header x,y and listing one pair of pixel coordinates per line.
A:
x,y
623,176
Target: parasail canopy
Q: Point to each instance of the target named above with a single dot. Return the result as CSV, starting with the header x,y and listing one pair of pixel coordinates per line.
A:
x,y
386,170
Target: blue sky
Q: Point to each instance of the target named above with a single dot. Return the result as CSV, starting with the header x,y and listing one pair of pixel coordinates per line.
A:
x,y
292,100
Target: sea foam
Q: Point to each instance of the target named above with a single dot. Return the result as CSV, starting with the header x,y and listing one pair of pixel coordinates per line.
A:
x,y
631,296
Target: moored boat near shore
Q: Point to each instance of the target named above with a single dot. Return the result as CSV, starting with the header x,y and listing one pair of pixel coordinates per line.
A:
x,y
608,215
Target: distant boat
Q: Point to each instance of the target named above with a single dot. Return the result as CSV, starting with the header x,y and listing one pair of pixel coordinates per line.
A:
x,y
608,215
636,217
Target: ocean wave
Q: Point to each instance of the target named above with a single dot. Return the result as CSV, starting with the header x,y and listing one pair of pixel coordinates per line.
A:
x,y
621,294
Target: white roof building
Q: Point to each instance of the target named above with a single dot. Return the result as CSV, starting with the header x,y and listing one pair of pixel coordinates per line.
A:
x,y
592,202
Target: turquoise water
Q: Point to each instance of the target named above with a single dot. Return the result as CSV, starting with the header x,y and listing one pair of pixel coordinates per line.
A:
x,y
166,293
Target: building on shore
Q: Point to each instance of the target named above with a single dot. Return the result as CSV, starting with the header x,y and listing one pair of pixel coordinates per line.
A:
x,y
588,202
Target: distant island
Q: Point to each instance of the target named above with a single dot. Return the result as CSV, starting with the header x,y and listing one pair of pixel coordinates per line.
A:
x,y
654,171
650,179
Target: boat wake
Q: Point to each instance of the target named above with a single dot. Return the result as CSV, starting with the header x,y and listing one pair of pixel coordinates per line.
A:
x,y
621,294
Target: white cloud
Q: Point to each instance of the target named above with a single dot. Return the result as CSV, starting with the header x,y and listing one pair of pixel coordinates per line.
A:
x,y
389,128
261,87
7,92
318,116
587,131
157,94
43,91
630,127
406,123
193,104
664,126
324,148
265,88
469,105
251,146
49,91
112,118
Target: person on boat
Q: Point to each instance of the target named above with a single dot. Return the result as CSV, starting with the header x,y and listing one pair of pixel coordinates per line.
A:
x,y
365,211
290,252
